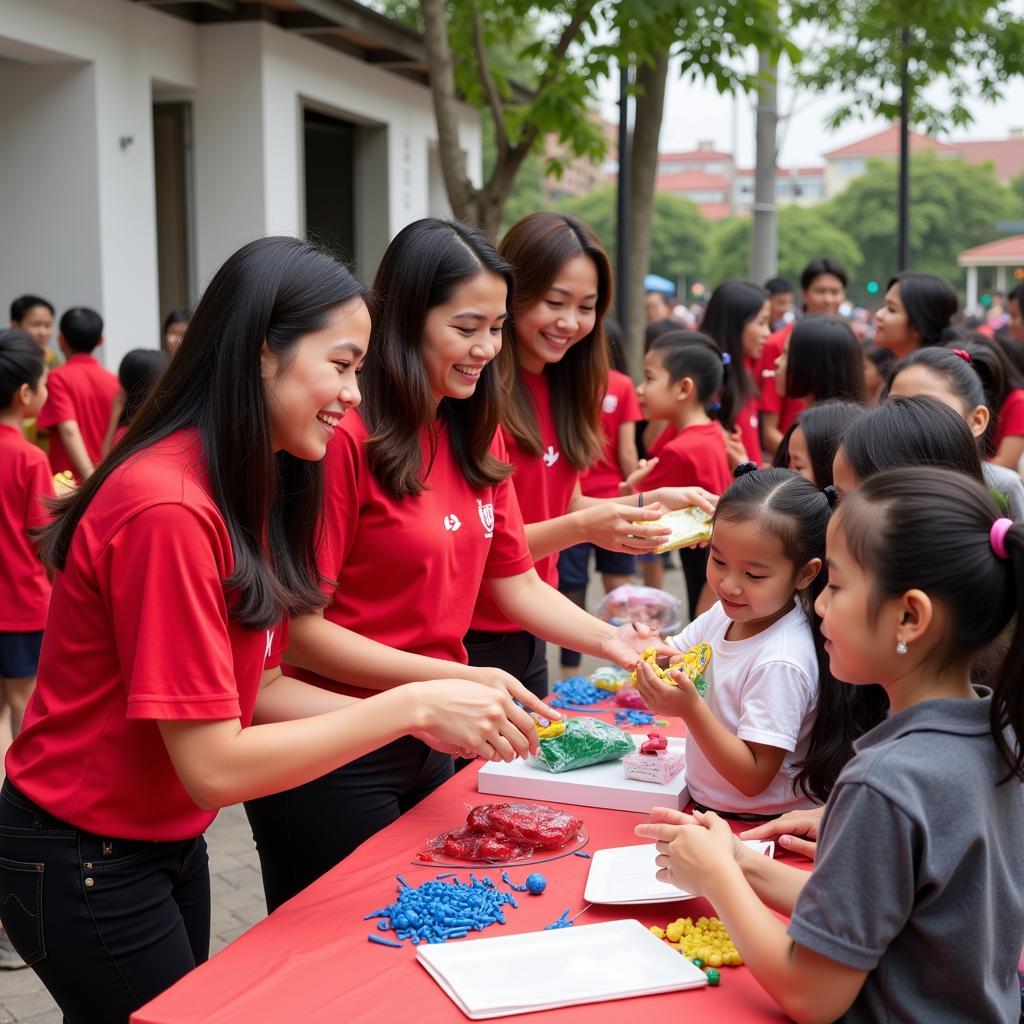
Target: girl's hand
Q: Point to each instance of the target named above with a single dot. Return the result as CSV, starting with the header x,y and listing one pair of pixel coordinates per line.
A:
x,y
689,854
660,697
796,831
673,498
627,644
499,679
476,718
614,527
735,450
634,482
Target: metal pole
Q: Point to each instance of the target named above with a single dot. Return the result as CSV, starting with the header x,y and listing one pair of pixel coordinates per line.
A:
x,y
904,198
622,217
764,230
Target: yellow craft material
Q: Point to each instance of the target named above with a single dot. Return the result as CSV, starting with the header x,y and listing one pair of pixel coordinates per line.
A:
x,y
705,938
651,657
552,729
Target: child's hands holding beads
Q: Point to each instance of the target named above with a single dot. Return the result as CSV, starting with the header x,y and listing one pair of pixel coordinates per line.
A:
x,y
690,853
663,697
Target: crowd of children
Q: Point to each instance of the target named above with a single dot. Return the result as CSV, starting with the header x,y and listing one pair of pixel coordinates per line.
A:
x,y
212,615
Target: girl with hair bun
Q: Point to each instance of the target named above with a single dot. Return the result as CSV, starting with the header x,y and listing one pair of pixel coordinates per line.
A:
x,y
914,909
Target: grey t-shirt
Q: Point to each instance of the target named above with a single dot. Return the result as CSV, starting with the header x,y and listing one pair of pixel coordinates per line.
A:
x,y
1007,482
919,878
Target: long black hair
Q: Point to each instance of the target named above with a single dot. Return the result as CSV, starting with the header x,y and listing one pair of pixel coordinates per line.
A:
x,y
796,513
733,304
929,529
22,361
421,269
824,360
931,303
905,432
138,373
823,427
270,292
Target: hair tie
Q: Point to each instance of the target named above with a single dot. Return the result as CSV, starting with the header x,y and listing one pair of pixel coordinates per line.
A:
x,y
743,469
726,359
831,495
963,354
714,406
997,537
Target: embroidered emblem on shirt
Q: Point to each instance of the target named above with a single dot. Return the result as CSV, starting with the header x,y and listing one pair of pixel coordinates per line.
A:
x,y
550,457
610,403
486,513
270,644
452,522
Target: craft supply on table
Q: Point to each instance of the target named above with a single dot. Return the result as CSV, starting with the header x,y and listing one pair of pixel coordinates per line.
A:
x,y
509,974
577,691
536,884
633,716
600,785
705,939
586,741
626,875
506,832
654,761
647,605
609,677
629,697
440,910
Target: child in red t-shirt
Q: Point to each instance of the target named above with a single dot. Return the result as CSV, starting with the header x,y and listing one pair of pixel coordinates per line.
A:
x,y
25,480
683,373
82,395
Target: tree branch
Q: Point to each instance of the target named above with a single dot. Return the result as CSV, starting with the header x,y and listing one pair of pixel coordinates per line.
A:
x,y
493,99
442,87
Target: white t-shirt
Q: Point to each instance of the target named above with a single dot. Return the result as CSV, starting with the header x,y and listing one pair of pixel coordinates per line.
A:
x,y
764,690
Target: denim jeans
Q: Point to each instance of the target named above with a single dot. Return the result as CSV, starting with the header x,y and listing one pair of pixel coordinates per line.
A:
x,y
106,923
303,832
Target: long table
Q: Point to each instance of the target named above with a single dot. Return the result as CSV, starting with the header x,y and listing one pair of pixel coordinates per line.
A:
x,y
310,960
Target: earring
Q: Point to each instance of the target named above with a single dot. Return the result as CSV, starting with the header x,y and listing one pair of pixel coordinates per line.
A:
x,y
901,647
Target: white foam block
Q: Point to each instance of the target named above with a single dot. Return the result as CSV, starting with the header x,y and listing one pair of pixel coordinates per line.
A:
x,y
602,785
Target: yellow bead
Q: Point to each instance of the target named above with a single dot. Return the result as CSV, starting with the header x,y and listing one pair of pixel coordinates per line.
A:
x,y
715,960
658,933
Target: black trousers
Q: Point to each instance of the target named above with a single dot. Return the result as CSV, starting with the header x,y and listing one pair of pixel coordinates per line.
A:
x,y
519,653
695,572
106,923
303,832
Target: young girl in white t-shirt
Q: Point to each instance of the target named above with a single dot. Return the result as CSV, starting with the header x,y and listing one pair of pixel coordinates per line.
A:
x,y
774,728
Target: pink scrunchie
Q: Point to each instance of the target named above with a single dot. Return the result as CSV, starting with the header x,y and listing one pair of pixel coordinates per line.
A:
x,y
997,537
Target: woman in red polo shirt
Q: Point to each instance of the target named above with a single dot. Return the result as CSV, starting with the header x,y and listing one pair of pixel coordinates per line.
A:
x,y
176,562
420,510
555,364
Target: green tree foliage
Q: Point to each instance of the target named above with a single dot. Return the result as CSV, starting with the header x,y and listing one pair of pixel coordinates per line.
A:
x,y
953,205
1018,186
678,234
805,233
972,47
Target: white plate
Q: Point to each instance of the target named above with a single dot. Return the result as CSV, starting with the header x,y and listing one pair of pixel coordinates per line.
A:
x,y
625,875
513,974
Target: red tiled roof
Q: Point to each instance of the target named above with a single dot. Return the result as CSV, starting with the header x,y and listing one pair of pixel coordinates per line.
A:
x,y
1006,154
715,211
1005,251
687,181
694,156
785,172
887,143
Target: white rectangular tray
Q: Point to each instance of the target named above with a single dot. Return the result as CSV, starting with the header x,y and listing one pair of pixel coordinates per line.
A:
x,y
625,875
513,974
602,785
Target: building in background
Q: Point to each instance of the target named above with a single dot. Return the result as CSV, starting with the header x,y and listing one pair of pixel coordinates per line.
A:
x,y
145,140
579,175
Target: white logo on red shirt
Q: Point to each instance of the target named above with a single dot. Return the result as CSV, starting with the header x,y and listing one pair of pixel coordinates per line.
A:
x,y
610,403
550,457
270,644
452,522
486,513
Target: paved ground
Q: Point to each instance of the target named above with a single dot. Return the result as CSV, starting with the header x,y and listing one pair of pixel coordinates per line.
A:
x,y
236,884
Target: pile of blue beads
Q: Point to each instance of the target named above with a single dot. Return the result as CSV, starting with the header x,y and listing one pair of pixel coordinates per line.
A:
x,y
440,910
633,716
577,691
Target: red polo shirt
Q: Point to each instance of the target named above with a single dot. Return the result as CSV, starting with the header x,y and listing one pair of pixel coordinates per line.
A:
x,y
618,406
695,457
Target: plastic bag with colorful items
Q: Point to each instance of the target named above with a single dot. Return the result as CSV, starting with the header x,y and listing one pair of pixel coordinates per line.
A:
x,y
632,603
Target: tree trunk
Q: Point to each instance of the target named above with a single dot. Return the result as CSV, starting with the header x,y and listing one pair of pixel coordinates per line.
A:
x,y
764,244
650,106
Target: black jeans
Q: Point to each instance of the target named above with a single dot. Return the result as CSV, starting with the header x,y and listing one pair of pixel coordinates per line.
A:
x,y
303,832
519,653
107,924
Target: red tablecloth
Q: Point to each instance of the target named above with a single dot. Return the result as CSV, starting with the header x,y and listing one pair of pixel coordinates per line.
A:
x,y
310,961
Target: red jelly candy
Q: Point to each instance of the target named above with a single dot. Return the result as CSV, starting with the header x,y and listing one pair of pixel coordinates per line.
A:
x,y
532,824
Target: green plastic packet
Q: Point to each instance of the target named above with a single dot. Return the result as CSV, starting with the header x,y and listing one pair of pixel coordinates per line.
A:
x,y
586,741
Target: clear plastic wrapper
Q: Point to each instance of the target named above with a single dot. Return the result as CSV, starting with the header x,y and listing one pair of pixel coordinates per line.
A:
x,y
633,603
689,526
586,741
